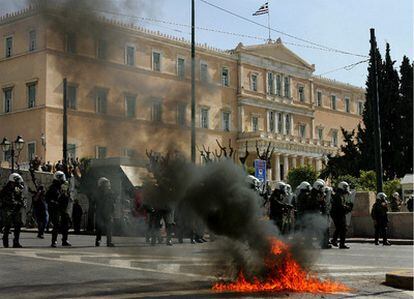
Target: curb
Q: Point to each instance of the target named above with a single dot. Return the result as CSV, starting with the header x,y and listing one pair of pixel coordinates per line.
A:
x,y
371,241
400,279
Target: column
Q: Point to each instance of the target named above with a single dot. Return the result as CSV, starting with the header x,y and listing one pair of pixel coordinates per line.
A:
x,y
302,161
268,122
291,125
312,93
241,119
294,160
312,129
318,164
284,123
277,122
285,166
276,167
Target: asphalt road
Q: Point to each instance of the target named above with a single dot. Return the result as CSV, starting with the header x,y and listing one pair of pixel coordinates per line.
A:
x,y
134,269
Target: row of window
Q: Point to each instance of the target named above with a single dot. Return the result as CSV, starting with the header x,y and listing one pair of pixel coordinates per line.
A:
x,y
130,51
8,97
333,103
9,44
101,103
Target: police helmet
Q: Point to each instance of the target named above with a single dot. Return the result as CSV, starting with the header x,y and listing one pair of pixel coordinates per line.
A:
x,y
381,196
344,186
280,186
252,181
319,185
16,178
396,194
304,186
59,176
103,181
288,188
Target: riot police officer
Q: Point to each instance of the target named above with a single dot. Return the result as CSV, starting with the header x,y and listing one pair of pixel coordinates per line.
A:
x,y
105,206
279,208
340,207
380,217
58,199
395,202
12,203
320,204
301,203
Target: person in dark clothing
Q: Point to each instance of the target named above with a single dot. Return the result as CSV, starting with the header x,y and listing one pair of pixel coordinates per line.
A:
x,y
11,203
279,209
302,204
340,207
105,206
395,202
77,213
40,210
58,199
380,217
319,207
410,203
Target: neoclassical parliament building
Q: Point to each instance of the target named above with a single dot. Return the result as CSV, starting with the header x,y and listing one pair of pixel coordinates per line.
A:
x,y
129,90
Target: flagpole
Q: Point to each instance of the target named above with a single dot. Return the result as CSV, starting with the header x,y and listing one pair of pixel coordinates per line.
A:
x,y
268,20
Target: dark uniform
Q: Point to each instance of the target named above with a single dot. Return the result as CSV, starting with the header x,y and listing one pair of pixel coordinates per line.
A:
x,y
58,198
77,213
304,205
340,207
40,210
319,205
12,202
395,203
380,217
104,212
279,210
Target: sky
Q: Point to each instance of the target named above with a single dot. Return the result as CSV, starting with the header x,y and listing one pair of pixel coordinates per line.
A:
x,y
338,24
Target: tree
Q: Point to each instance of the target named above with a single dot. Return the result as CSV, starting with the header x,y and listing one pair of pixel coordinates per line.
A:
x,y
405,130
347,161
366,140
390,116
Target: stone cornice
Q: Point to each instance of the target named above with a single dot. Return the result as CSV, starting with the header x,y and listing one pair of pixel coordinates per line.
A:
x,y
274,65
265,104
330,83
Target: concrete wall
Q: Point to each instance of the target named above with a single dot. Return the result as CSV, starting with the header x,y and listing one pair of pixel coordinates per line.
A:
x,y
400,224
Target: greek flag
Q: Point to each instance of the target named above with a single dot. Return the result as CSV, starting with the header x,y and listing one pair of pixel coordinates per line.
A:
x,y
264,9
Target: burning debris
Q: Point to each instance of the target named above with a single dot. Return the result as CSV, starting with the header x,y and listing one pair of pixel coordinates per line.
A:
x,y
283,274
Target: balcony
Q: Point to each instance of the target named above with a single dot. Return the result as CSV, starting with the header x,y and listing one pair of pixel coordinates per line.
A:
x,y
268,136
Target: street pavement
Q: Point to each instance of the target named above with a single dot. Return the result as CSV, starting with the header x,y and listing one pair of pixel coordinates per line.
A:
x,y
134,269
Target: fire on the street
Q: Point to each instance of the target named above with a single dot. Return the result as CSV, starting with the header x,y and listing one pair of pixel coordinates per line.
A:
x,y
284,274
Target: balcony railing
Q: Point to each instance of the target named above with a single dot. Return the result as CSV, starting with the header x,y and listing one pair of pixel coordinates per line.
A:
x,y
283,137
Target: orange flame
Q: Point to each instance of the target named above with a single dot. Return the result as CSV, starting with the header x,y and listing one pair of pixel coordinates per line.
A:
x,y
286,276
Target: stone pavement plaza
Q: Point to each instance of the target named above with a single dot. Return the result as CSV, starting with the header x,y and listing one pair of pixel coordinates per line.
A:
x,y
134,269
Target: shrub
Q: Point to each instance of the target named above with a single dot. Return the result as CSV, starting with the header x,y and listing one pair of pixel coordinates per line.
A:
x,y
300,174
392,186
367,181
251,170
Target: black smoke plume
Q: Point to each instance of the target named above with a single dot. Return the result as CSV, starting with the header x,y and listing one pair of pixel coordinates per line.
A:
x,y
217,195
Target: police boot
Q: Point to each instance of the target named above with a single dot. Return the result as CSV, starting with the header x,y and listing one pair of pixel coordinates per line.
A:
x,y
54,240
109,241
66,243
5,242
16,244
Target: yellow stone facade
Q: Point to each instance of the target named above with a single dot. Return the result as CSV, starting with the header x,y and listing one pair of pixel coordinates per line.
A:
x,y
131,91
